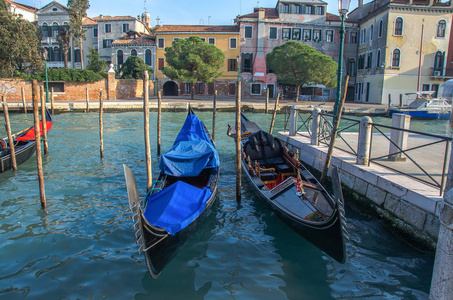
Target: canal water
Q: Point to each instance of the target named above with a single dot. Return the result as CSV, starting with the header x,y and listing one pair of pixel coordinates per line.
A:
x,y
83,247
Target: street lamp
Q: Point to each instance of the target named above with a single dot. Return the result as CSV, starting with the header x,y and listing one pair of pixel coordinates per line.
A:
x,y
44,54
343,7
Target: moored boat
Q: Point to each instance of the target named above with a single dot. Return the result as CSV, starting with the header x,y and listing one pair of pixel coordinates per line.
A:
x,y
24,145
291,191
179,199
425,107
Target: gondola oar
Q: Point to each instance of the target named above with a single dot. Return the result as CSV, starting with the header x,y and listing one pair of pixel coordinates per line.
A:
x,y
134,204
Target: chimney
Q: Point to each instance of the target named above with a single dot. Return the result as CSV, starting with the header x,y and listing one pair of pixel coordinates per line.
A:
x,y
261,13
101,16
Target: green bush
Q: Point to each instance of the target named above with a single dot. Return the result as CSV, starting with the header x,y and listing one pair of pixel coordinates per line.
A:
x,y
61,74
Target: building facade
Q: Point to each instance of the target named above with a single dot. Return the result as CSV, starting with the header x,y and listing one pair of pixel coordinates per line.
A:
x,y
403,47
226,38
304,21
24,11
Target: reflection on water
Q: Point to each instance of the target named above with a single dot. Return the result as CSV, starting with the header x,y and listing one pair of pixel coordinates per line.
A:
x,y
84,247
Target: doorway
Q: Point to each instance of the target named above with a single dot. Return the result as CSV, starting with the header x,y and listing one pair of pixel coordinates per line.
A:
x,y
170,88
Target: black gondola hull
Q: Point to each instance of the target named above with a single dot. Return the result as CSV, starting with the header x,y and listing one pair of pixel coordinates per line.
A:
x,y
23,154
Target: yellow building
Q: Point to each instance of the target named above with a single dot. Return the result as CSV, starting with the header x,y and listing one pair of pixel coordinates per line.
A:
x,y
226,38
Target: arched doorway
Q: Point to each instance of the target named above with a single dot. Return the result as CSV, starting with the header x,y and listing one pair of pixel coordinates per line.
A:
x,y
170,88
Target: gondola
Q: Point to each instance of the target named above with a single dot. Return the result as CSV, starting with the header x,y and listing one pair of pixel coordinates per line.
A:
x,y
179,199
287,186
24,145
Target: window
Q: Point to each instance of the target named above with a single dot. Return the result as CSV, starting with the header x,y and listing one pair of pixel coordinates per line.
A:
x,y
350,70
187,88
369,61
396,58
77,57
256,89
125,27
57,54
378,59
133,52
438,63
371,32
364,35
329,36
203,39
160,63
361,63
120,57
307,34
381,28
200,88
160,43
316,35
320,10
55,29
148,57
211,41
296,34
273,33
353,38
297,9
233,43
95,32
309,10
107,43
398,30
247,65
441,26
248,32
286,33
232,65
286,8
107,28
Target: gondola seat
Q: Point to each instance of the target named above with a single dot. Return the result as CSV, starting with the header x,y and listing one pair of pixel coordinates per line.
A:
x,y
267,175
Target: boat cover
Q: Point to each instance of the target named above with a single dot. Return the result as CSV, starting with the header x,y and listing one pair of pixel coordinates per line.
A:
x,y
176,206
192,151
29,135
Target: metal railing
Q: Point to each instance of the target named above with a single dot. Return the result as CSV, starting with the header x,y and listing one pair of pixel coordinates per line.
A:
x,y
378,152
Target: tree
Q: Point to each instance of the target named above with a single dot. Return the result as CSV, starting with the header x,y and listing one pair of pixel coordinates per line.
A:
x,y
94,62
193,60
133,68
77,12
3,6
298,64
19,45
64,40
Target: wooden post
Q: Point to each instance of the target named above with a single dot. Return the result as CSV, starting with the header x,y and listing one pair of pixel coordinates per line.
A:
x,y
267,100
87,100
149,173
274,115
214,110
336,124
159,120
8,131
44,125
238,143
41,91
101,125
52,96
35,96
24,103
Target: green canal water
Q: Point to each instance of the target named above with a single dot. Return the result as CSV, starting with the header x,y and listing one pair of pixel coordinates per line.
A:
x,y
83,247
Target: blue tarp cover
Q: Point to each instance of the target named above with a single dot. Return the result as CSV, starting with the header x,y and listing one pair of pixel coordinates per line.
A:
x,y
192,151
176,206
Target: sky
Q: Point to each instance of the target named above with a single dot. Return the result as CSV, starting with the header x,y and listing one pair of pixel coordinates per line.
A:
x,y
180,12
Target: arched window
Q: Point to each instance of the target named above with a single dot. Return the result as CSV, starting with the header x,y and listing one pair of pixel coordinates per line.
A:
x,y
441,26
148,58
381,28
120,57
398,30
134,52
56,54
396,58
351,67
371,32
378,59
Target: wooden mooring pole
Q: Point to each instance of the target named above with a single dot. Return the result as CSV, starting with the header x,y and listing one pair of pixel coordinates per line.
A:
x,y
159,120
87,100
274,115
8,131
214,110
333,134
238,143
52,97
44,125
267,101
149,173
24,103
35,97
101,123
